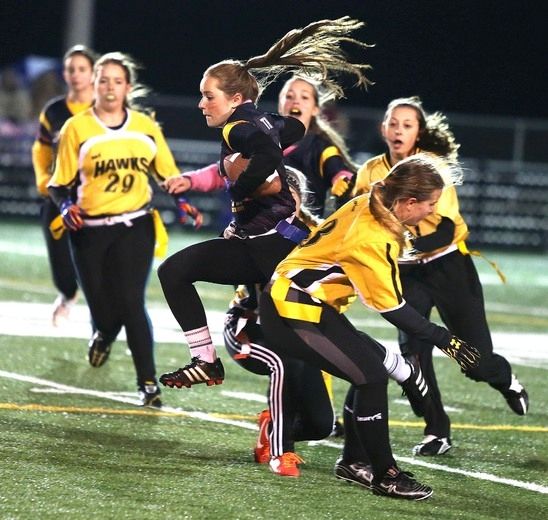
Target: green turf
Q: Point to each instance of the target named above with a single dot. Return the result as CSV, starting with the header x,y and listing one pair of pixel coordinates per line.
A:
x,y
80,456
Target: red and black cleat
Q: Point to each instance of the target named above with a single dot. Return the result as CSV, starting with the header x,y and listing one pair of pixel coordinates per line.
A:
x,y
197,371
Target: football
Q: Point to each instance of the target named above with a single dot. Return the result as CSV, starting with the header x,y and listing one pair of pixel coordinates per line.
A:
x,y
235,164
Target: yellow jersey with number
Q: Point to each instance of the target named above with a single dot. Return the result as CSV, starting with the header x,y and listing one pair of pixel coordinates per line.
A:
x,y
111,167
377,168
349,254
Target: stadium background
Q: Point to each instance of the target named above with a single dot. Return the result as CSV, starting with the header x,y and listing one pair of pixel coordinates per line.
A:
x,y
482,63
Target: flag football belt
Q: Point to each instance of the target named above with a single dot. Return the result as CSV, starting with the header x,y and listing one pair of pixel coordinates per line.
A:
x,y
124,218
291,232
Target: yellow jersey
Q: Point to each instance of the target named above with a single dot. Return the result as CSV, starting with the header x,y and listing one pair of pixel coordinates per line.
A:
x,y
350,254
110,167
377,168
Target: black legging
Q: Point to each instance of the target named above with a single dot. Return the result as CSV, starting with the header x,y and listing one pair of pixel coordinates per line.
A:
x,y
297,396
113,264
451,284
334,345
60,260
222,261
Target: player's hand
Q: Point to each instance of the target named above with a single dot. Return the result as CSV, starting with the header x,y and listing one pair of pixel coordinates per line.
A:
x,y
465,355
176,185
185,210
340,186
72,215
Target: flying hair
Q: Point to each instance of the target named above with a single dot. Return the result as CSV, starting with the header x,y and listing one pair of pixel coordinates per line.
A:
x,y
315,51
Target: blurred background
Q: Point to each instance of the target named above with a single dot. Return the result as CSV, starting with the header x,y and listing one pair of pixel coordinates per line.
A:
x,y
483,63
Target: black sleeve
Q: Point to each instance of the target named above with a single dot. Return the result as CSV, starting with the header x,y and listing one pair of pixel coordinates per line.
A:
x,y
292,132
264,157
443,236
411,322
58,194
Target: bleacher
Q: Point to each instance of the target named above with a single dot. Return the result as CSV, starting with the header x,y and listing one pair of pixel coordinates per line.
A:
x,y
504,198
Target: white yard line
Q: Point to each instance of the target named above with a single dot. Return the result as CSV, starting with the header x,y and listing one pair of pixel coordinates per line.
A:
x,y
530,486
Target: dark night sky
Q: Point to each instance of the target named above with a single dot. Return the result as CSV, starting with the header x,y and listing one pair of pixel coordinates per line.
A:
x,y
461,56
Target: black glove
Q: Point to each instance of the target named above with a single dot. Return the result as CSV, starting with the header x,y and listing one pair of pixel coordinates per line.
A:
x,y
465,355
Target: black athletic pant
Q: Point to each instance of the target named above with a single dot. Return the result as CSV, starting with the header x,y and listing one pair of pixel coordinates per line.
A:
x,y
223,261
299,404
60,260
113,264
451,284
334,345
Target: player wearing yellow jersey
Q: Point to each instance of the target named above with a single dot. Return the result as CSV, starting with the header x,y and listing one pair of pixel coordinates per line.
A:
x,y
442,275
355,251
77,72
105,156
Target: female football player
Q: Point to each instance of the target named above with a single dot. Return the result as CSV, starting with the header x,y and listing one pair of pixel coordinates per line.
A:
x,y
355,250
107,152
443,275
265,228
78,64
321,154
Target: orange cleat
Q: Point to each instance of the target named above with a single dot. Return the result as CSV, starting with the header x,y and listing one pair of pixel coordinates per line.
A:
x,y
286,465
262,448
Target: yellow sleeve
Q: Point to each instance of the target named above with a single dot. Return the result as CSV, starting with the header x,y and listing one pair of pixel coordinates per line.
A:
x,y
42,159
66,164
164,165
374,170
363,181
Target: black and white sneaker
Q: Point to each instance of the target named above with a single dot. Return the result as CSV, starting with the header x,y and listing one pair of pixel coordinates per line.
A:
x,y
432,445
98,350
197,371
415,388
401,484
355,472
149,394
516,396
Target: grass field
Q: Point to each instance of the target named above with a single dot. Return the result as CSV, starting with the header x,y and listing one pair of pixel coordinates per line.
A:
x,y
74,444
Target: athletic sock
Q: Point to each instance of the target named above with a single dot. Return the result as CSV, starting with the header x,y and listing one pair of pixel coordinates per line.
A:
x,y
371,420
396,366
200,344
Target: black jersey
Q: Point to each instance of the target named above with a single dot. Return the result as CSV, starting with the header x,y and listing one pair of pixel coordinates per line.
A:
x,y
260,137
44,148
320,161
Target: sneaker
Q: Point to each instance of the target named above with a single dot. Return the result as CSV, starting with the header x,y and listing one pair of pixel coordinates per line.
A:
x,y
262,448
338,428
149,394
401,484
99,350
197,371
432,445
286,465
61,309
516,396
416,390
356,472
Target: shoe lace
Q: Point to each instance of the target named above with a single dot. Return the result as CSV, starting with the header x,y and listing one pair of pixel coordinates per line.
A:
x,y
290,459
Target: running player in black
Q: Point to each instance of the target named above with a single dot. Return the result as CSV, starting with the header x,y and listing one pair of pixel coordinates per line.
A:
x,y
443,275
265,228
77,72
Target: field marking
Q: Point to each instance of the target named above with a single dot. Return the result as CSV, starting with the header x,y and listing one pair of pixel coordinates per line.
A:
x,y
223,419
